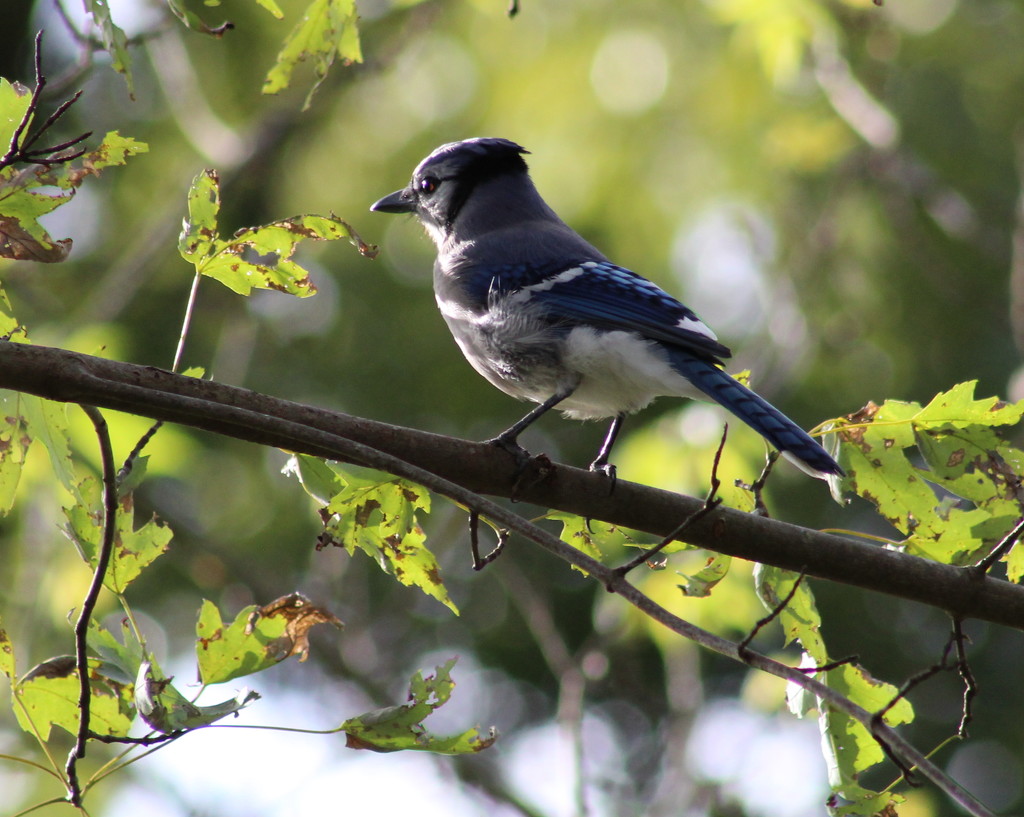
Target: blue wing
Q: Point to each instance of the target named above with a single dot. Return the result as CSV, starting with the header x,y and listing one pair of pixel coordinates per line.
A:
x,y
604,295
601,294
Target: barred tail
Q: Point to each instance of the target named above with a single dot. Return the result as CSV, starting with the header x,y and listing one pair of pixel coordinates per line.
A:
x,y
757,413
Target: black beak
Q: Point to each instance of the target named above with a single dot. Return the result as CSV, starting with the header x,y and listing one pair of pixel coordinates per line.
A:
x,y
401,201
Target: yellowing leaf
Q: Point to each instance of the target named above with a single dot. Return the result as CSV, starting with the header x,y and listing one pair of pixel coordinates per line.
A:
x,y
257,257
14,102
7,666
967,495
326,31
376,513
849,746
114,41
133,549
258,637
14,443
47,700
28,194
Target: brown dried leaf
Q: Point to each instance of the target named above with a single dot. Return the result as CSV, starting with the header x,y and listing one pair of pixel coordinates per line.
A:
x,y
300,615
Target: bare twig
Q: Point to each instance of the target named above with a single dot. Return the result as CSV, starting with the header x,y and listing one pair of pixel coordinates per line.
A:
x,y
964,668
711,502
151,740
19,150
89,602
757,489
1000,550
480,562
761,623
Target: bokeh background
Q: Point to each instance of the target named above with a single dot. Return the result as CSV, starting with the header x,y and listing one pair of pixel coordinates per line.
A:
x,y
835,187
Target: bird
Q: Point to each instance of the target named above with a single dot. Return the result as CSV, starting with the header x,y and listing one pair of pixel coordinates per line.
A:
x,y
544,316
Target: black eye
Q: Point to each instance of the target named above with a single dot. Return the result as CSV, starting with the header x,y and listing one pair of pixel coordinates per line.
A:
x,y
428,184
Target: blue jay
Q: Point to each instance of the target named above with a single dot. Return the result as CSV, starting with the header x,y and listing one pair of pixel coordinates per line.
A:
x,y
545,317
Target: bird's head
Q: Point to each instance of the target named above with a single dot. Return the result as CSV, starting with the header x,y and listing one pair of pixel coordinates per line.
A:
x,y
444,184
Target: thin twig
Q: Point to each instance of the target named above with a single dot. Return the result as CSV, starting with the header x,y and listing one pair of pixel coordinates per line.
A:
x,y
91,597
1000,550
776,611
757,489
964,668
152,740
19,149
179,351
480,562
710,503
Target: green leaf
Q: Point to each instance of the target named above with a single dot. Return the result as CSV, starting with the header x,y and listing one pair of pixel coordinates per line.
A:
x,y
849,747
376,513
702,582
322,480
7,663
272,7
968,463
326,31
229,653
14,443
194,22
868,803
396,728
959,406
134,550
118,660
45,700
14,102
47,423
257,257
114,41
166,710
199,231
586,535
258,637
799,618
9,325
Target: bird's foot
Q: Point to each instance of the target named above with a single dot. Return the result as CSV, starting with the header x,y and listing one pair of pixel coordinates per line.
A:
x,y
509,444
602,466
530,469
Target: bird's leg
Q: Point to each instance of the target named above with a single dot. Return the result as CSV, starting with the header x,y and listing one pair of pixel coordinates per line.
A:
x,y
508,439
601,462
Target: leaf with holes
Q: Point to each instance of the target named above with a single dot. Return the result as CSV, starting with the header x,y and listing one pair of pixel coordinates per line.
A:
x,y
256,257
27,195
397,728
258,638
134,550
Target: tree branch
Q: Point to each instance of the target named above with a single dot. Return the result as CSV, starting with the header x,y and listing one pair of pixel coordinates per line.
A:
x,y
52,373
65,376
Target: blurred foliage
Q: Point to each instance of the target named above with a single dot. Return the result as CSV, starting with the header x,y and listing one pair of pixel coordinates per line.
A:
x,y
833,186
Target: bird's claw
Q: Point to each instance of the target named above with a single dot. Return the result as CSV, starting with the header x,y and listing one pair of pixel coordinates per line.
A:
x,y
608,470
511,446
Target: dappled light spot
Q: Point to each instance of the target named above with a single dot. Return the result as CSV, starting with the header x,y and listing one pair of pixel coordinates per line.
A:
x,y
629,72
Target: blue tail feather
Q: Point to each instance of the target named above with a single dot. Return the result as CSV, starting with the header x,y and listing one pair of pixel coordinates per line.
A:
x,y
757,413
